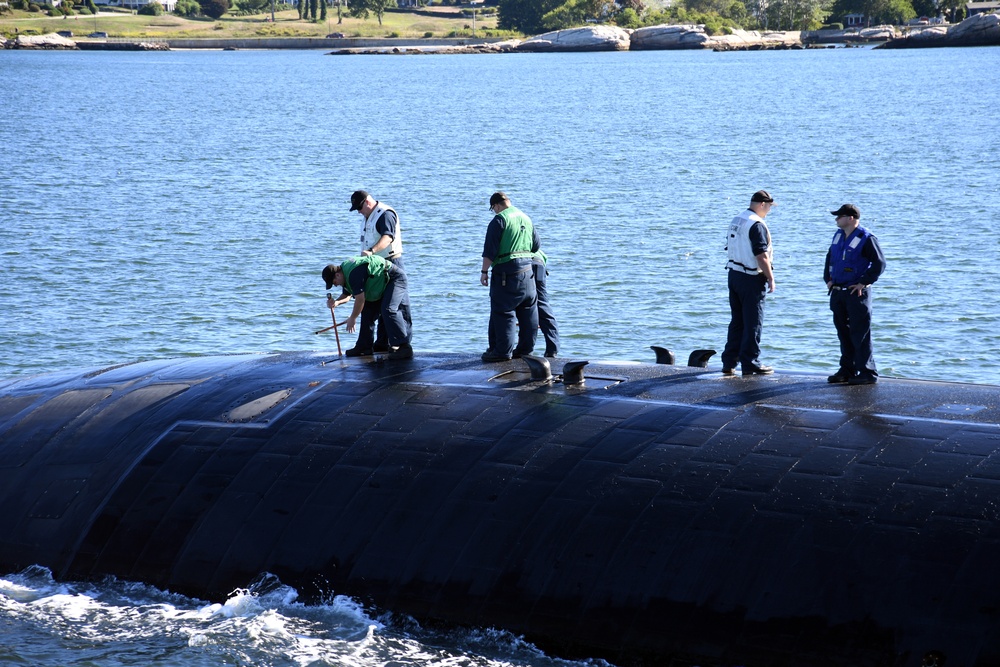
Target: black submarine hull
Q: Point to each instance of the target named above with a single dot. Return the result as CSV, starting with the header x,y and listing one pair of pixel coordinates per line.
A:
x,y
652,515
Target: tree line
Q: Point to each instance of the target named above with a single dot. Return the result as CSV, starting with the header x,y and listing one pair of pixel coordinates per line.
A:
x,y
535,16
309,10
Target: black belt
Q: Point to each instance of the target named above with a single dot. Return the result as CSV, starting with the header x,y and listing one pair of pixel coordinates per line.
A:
x,y
845,288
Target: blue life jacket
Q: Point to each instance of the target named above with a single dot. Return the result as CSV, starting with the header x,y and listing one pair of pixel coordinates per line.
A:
x,y
847,264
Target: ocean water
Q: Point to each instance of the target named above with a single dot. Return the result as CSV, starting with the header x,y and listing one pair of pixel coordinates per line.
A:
x,y
156,205
113,623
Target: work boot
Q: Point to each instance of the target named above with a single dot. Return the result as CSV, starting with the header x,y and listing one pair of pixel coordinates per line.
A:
x,y
404,351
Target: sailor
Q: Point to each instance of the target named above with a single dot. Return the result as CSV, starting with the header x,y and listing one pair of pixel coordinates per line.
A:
x,y
374,279
751,277
509,249
853,262
381,235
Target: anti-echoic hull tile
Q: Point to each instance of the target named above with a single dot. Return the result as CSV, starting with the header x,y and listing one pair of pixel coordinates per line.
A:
x,y
653,513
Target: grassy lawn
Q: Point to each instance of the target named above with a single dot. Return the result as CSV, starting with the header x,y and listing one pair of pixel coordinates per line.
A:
x,y
287,24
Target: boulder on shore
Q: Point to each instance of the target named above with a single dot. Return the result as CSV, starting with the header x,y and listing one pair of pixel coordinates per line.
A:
x,y
978,30
589,38
752,40
49,41
669,37
880,33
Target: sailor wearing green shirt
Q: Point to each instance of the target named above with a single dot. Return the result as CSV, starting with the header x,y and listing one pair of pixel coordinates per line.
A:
x,y
510,246
373,278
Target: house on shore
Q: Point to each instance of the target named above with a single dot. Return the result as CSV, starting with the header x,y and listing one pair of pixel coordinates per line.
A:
x,y
990,7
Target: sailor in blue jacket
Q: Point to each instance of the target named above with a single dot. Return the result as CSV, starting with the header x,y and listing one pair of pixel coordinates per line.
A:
x,y
853,262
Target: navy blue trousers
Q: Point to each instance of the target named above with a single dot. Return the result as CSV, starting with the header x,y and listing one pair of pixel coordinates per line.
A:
x,y
382,340
546,316
370,315
746,306
513,308
852,316
395,308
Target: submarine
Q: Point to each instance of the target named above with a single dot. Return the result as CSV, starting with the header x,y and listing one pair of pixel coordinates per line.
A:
x,y
647,514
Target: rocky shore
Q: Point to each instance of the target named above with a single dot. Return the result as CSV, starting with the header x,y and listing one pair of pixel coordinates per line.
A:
x,y
50,42
979,30
653,38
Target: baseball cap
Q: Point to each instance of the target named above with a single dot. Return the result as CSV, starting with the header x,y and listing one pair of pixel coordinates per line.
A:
x,y
497,198
762,196
847,209
329,271
357,199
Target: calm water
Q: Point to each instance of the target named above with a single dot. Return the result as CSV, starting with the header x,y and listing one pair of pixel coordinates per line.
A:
x,y
182,203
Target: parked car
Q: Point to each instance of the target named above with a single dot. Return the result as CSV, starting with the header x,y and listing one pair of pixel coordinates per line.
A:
x,y
335,35
65,33
98,35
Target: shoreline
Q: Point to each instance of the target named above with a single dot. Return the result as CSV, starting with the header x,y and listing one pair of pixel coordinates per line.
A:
x,y
978,30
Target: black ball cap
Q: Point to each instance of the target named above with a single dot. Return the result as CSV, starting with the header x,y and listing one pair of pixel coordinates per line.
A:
x,y
847,209
357,199
762,196
329,271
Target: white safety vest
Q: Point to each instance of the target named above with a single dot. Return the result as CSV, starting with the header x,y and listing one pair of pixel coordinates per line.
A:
x,y
370,236
741,257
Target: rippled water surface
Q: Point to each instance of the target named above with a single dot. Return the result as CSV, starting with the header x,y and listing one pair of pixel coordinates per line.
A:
x,y
162,204
183,203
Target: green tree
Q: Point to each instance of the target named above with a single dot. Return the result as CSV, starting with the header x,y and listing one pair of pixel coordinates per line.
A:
x,y
187,8
214,8
573,13
567,15
322,10
899,12
363,8
953,9
524,15
358,9
797,14
628,18
379,7
314,9
152,8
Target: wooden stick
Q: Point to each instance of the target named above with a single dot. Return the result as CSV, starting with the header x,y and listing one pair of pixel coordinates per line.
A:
x,y
335,332
324,330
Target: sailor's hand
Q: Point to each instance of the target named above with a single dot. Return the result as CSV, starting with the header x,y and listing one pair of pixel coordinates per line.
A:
x,y
484,278
856,290
366,253
349,324
330,302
